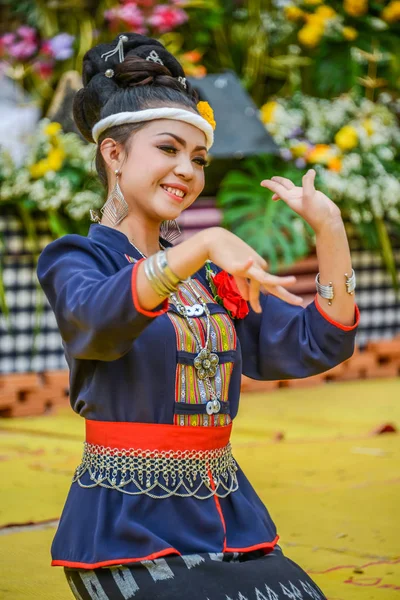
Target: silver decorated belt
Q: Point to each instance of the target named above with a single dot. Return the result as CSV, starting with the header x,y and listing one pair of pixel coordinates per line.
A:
x,y
159,473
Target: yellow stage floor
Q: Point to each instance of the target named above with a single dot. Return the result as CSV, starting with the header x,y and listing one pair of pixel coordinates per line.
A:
x,y
331,487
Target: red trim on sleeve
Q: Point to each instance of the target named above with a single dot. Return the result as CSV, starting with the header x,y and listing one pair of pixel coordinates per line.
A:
x,y
336,323
148,313
114,561
269,545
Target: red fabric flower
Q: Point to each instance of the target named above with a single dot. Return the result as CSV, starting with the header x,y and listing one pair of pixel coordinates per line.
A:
x,y
229,293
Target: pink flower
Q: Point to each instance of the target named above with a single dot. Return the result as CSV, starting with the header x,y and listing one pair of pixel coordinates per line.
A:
x,y
22,50
27,33
129,14
46,48
142,3
43,68
8,38
165,18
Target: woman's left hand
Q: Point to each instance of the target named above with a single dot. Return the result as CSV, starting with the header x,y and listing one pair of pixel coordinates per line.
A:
x,y
315,208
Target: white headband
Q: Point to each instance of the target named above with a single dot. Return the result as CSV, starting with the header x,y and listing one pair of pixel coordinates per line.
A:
x,y
176,114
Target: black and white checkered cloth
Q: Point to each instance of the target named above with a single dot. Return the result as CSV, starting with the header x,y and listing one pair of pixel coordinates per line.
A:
x,y
22,296
380,310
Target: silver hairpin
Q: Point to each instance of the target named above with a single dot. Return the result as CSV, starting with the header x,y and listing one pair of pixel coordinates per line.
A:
x,y
154,57
118,48
182,80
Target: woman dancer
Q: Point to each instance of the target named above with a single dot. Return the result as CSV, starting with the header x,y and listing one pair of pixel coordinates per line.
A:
x,y
158,507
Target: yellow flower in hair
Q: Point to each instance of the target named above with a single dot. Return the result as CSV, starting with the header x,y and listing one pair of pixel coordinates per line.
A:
x,y
207,113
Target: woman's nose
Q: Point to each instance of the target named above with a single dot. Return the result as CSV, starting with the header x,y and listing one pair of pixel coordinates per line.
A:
x,y
184,168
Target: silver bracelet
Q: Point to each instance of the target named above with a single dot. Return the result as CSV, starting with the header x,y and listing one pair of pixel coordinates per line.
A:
x,y
326,291
161,278
154,281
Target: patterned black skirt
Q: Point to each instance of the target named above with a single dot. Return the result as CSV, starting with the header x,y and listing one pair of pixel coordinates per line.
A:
x,y
228,576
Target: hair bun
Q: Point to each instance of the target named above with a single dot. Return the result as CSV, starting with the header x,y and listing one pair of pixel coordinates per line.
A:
x,y
95,62
163,70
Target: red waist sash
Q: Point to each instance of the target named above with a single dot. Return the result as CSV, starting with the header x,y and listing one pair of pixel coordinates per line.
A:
x,y
154,436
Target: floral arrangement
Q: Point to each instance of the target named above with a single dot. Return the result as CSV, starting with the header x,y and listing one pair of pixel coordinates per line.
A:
x,y
226,293
354,145
146,16
57,178
25,53
317,20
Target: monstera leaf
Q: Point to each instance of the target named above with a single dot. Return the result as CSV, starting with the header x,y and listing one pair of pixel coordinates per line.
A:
x,y
276,232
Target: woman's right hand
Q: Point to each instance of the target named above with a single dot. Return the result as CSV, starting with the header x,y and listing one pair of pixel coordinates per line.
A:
x,y
248,268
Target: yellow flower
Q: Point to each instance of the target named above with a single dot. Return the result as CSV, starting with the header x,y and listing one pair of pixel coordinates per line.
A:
x,y
346,138
207,113
268,111
355,8
310,35
299,150
391,12
55,159
368,125
349,33
321,153
293,13
52,129
39,169
326,12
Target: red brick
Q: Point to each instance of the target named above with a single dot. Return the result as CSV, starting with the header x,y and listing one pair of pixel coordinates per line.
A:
x,y
19,381
385,348
390,370
307,381
7,399
253,385
362,361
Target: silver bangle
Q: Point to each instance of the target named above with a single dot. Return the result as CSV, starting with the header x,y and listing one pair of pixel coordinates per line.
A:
x,y
350,282
154,281
162,274
163,281
326,291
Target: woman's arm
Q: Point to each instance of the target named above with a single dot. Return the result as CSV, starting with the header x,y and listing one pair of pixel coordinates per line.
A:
x,y
334,261
229,253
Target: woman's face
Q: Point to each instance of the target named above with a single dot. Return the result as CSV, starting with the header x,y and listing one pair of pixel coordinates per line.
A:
x,y
164,153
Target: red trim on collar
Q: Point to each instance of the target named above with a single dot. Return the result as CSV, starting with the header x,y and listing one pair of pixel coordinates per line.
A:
x,y
147,313
336,323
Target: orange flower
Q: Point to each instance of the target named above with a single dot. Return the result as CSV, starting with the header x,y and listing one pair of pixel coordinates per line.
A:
x,y
321,153
335,164
207,113
192,56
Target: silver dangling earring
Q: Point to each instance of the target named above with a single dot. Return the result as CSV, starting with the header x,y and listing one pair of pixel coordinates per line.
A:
x,y
170,230
116,207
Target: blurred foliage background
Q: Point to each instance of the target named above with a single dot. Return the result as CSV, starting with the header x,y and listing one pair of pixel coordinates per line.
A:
x,y
325,76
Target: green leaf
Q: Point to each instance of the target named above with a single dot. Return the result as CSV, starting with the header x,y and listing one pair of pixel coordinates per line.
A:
x,y
248,211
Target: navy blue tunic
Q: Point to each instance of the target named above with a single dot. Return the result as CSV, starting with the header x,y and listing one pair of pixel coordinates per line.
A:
x,y
130,367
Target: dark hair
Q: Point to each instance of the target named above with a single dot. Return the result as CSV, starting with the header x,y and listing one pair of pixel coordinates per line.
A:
x,y
138,83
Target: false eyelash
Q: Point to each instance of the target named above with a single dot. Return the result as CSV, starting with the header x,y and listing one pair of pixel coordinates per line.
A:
x,y
203,162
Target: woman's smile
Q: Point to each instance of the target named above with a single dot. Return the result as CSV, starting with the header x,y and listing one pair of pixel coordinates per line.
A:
x,y
174,193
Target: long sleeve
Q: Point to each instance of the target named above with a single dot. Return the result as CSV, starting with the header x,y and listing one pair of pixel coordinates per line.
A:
x,y
94,301
292,342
